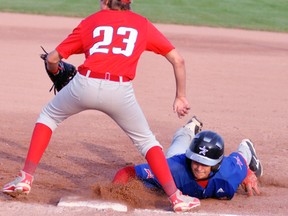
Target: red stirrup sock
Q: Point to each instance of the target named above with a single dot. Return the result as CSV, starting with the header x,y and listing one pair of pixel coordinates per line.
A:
x,y
39,142
159,166
124,175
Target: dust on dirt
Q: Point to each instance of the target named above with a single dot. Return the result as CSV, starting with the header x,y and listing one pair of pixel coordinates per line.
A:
x,y
134,194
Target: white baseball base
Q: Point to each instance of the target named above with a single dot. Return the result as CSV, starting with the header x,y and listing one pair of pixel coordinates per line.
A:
x,y
76,201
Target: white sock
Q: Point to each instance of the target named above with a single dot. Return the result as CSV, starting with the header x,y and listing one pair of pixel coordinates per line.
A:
x,y
244,150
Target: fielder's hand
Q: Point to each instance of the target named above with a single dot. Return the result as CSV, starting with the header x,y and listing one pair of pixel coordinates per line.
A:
x,y
181,106
250,184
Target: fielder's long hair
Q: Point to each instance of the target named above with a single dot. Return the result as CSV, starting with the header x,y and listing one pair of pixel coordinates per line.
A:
x,y
119,4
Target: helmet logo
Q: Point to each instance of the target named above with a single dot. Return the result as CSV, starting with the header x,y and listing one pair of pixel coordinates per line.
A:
x,y
203,150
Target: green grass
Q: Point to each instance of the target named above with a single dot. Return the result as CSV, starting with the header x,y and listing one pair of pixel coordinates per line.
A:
x,y
75,8
269,15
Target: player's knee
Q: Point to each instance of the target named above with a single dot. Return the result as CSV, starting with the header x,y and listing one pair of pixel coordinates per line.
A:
x,y
44,119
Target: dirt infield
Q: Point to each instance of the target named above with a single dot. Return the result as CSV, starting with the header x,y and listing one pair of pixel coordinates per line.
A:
x,y
237,85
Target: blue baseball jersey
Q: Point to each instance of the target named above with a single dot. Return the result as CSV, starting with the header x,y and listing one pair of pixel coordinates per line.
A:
x,y
222,185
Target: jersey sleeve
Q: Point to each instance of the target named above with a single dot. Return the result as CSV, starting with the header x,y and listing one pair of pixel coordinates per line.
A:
x,y
234,169
226,181
156,41
72,44
144,173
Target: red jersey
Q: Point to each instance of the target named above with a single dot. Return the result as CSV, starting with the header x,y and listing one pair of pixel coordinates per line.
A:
x,y
113,42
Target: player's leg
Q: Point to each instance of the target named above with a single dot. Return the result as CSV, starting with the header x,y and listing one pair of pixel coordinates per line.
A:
x,y
247,150
184,136
131,119
61,107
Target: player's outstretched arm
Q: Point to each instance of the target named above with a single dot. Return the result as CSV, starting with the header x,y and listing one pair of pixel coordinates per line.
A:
x,y
180,105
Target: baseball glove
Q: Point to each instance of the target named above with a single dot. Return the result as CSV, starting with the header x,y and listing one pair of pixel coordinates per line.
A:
x,y
65,73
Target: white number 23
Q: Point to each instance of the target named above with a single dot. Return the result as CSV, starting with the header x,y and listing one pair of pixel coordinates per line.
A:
x,y
102,46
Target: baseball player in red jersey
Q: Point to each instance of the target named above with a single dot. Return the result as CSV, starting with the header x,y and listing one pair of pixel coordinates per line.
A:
x,y
112,40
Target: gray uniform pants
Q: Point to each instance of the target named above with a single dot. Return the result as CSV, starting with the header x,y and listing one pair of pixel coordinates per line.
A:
x,y
116,99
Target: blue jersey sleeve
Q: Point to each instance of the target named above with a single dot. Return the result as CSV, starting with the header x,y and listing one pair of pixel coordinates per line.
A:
x,y
224,184
144,173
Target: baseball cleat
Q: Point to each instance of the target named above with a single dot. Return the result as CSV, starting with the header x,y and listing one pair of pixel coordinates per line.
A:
x,y
21,185
255,164
183,203
194,124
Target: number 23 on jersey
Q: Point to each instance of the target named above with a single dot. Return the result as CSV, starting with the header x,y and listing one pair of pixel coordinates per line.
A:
x,y
103,46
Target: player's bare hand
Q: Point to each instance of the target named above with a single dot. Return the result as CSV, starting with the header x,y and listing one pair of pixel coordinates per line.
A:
x,y
250,184
181,106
